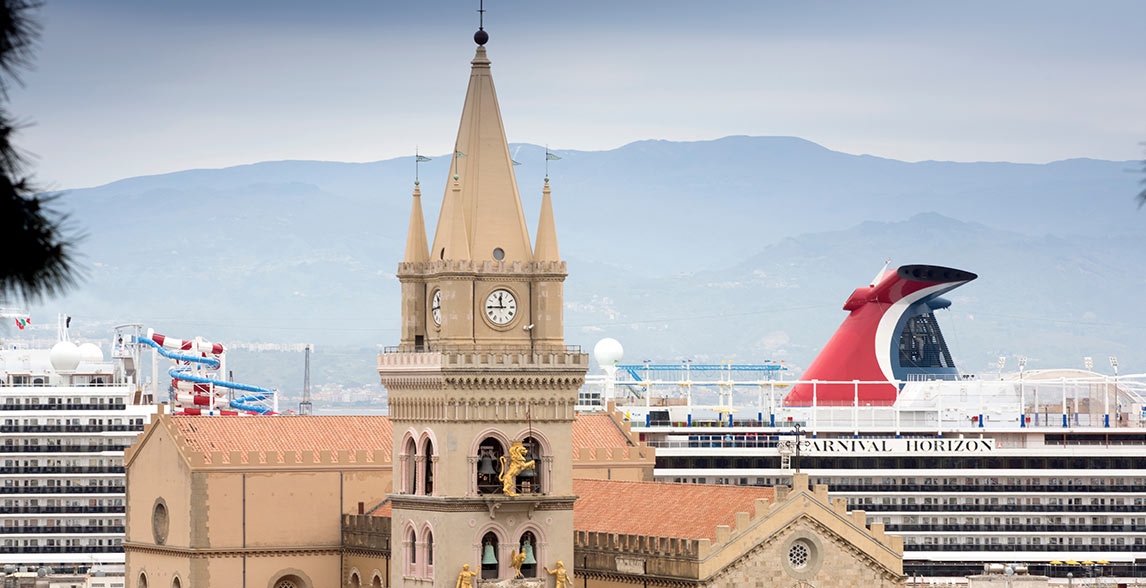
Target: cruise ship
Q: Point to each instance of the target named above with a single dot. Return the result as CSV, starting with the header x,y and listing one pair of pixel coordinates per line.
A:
x,y
67,415
1040,467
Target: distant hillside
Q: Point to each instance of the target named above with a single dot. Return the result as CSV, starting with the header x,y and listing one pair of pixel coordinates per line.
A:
x,y
741,247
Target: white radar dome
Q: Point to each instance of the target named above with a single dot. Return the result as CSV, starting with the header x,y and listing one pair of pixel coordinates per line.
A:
x,y
65,356
608,351
90,352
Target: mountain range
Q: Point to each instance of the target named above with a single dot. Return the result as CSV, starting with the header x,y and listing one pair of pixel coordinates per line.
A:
x,y
740,248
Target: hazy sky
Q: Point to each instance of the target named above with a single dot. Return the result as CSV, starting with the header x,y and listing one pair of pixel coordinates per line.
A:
x,y
125,88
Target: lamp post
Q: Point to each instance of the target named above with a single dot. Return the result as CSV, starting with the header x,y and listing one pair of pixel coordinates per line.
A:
x,y
793,446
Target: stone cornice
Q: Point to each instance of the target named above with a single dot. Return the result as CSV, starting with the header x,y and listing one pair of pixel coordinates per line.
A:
x,y
217,552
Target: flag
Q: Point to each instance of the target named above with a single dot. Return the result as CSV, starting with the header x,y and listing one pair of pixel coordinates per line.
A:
x,y
515,163
421,158
67,322
551,156
22,322
459,154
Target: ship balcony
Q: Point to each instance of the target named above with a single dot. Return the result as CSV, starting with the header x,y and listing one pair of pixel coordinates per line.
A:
x,y
897,528
62,490
69,549
62,470
57,529
69,428
1061,509
62,509
60,448
49,406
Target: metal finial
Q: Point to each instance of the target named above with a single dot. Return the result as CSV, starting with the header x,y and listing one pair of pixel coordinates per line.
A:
x,y
481,37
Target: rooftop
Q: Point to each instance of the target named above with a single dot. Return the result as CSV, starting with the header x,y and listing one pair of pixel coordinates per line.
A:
x,y
351,433
288,433
662,509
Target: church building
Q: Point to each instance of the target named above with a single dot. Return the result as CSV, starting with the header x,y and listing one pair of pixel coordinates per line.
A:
x,y
482,475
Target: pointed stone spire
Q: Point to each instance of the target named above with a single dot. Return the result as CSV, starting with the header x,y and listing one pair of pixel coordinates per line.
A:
x,y
450,240
490,202
416,249
546,249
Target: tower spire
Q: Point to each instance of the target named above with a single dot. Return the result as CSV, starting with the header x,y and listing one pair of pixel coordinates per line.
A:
x,y
416,235
546,249
489,200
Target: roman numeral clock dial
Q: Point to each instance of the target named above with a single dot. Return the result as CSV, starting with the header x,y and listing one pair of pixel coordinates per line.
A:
x,y
436,307
500,307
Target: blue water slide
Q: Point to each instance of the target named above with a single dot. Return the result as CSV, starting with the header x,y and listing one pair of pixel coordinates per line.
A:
x,y
183,373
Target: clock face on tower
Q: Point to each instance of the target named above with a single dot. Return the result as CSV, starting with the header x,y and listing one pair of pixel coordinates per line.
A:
x,y
436,307
500,306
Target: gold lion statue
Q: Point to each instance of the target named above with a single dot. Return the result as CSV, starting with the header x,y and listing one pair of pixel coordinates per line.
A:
x,y
516,562
512,467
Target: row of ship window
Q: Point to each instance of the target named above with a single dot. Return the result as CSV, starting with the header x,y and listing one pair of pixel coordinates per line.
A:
x,y
1034,463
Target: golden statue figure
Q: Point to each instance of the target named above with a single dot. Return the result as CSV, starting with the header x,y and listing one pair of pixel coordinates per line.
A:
x,y
562,580
513,467
465,577
516,562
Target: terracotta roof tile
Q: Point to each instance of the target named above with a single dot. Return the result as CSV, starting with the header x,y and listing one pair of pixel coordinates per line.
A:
x,y
597,431
334,433
276,434
687,511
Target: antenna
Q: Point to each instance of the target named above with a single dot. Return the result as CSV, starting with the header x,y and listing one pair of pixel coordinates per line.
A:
x,y
305,406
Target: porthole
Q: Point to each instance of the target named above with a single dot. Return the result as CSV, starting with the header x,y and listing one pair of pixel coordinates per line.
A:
x,y
498,253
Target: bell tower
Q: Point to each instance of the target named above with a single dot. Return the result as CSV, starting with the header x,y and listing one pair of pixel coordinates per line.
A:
x,y
482,386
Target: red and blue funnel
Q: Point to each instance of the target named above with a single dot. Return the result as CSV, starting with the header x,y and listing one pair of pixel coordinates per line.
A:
x,y
889,337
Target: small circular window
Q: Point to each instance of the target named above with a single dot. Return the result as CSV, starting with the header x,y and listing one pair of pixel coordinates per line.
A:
x,y
799,555
498,253
159,521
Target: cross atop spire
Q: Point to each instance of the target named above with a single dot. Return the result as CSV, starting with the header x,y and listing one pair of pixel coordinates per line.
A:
x,y
481,37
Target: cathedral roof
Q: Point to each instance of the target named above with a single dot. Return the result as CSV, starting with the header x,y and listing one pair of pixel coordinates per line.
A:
x,y
207,434
661,509
286,433
598,431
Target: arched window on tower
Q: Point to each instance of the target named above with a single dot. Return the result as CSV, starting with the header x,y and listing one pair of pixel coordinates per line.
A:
x,y
489,564
529,481
410,466
528,546
410,546
488,464
428,557
428,464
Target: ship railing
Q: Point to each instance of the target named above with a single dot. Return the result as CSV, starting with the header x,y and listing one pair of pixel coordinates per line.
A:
x,y
1017,403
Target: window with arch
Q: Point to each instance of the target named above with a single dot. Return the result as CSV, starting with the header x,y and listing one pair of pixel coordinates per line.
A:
x,y
355,581
177,583
142,580
410,543
489,455
428,467
530,482
377,583
428,556
410,476
290,581
489,564
528,545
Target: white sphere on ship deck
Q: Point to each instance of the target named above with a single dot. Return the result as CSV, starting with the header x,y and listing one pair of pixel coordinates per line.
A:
x,y
91,353
65,356
608,351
